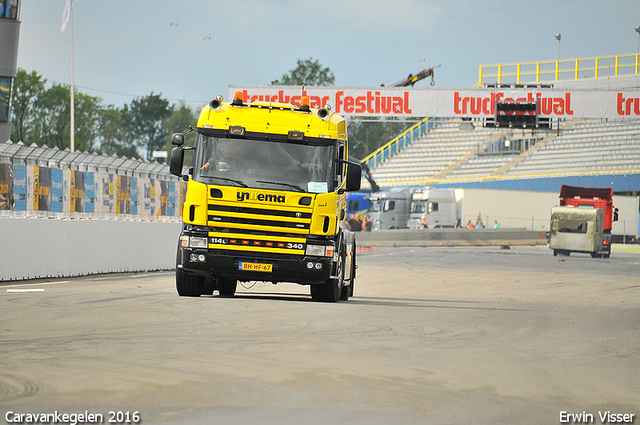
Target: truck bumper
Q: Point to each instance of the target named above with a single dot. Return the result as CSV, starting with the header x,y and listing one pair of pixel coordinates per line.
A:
x,y
304,270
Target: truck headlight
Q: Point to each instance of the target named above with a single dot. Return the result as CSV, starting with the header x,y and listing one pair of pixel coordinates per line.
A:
x,y
198,242
194,242
319,250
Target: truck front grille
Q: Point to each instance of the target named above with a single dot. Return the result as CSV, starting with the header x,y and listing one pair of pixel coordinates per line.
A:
x,y
280,230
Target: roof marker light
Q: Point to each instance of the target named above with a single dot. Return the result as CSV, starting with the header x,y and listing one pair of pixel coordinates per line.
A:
x,y
304,104
238,99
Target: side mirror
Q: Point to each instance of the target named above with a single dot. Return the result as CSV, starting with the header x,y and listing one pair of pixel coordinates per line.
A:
x,y
177,139
354,176
177,158
615,215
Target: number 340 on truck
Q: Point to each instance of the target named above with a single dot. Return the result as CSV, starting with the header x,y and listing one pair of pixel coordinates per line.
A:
x,y
266,195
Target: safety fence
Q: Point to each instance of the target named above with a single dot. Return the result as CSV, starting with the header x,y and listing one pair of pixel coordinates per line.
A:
x,y
565,69
48,182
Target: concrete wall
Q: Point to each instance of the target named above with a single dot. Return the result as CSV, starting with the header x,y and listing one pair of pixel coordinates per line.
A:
x,y
511,208
531,210
40,247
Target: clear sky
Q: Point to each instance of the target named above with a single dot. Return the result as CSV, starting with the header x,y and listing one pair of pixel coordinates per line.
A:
x,y
193,50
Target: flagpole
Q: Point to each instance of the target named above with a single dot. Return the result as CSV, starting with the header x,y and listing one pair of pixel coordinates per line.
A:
x,y
72,111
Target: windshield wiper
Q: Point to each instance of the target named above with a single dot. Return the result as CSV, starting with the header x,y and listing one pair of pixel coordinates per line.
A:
x,y
283,184
238,182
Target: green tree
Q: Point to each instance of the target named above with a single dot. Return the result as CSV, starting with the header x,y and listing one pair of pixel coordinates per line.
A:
x,y
182,117
180,120
145,119
307,73
41,115
87,121
367,136
112,138
27,89
52,122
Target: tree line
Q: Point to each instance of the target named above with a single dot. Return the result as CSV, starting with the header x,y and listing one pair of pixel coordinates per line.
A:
x,y
41,115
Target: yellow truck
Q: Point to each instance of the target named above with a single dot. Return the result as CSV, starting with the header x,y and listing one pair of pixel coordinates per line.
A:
x,y
266,196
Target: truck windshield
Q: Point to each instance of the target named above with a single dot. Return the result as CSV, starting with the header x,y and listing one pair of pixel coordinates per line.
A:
x,y
264,164
375,205
418,207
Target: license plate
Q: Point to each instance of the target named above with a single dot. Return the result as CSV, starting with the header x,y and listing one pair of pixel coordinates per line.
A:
x,y
255,267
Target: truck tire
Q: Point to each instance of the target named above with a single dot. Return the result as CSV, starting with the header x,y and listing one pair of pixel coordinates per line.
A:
x,y
227,287
347,291
208,286
332,289
188,285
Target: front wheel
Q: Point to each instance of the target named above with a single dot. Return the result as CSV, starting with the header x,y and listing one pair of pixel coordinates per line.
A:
x,y
188,285
347,291
331,291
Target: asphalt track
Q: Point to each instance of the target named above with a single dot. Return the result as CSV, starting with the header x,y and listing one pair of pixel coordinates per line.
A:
x,y
474,335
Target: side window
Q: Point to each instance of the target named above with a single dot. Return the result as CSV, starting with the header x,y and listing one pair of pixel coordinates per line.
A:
x,y
340,167
389,205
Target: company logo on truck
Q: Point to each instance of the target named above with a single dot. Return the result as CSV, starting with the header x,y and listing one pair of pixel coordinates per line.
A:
x,y
260,197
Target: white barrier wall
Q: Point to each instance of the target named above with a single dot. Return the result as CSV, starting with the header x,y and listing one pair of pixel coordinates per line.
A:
x,y
41,247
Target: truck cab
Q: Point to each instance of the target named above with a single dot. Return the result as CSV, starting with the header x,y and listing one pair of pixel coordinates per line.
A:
x,y
266,194
433,209
390,209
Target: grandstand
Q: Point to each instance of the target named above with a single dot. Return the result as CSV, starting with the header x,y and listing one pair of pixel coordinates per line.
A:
x,y
447,153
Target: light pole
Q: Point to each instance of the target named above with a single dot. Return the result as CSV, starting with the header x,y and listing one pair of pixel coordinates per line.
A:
x,y
638,31
558,37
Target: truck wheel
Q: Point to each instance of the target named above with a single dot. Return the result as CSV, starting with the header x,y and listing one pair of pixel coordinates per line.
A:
x,y
347,291
188,285
227,287
332,290
208,286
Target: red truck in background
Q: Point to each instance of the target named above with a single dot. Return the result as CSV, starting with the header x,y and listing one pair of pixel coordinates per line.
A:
x,y
589,198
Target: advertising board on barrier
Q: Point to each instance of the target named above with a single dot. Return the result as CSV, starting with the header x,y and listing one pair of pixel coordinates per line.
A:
x,y
431,102
33,188
7,177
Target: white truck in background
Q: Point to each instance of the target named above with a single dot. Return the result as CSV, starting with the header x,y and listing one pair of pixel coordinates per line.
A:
x,y
435,208
390,209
